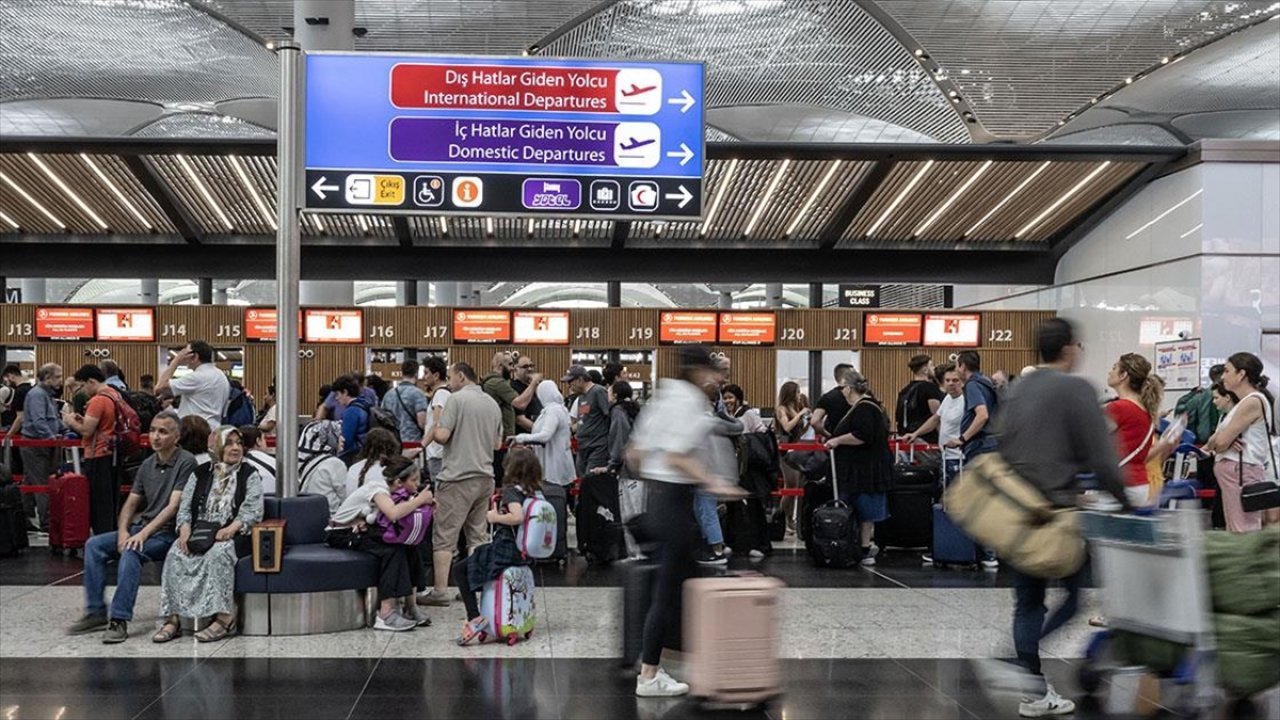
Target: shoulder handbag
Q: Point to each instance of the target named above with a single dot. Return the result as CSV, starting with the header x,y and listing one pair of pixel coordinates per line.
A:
x,y
1265,494
204,532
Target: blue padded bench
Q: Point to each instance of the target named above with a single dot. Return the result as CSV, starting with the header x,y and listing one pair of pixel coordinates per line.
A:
x,y
318,589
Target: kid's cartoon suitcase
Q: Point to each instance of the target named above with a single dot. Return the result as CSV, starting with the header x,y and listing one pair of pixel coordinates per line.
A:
x,y
508,604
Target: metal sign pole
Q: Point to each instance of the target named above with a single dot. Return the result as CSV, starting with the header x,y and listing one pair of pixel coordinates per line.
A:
x,y
288,268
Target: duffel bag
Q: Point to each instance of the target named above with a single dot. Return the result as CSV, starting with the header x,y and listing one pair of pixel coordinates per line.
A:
x,y
1005,513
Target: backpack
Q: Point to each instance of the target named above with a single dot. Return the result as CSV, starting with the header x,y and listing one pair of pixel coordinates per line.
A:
x,y
907,423
409,530
146,405
240,409
536,536
128,429
378,417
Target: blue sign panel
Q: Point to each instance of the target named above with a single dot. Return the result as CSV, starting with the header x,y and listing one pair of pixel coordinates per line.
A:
x,y
491,136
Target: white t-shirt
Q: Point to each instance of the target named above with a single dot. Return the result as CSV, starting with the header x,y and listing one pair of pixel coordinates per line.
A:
x,y
1256,438
951,413
675,422
435,451
265,464
204,392
360,503
327,477
353,475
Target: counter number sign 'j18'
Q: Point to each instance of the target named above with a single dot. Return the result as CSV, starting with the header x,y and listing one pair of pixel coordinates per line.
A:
x,y
503,136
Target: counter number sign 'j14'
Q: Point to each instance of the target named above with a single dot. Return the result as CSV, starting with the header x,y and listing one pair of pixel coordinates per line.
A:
x,y
503,136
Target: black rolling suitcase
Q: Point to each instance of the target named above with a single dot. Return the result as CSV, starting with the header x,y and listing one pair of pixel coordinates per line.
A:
x,y
816,494
916,487
834,529
13,521
558,496
600,537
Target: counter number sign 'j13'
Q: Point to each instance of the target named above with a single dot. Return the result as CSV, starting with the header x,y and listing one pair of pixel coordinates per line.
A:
x,y
503,136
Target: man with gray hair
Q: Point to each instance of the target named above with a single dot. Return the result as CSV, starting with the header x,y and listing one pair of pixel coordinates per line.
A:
x,y
40,421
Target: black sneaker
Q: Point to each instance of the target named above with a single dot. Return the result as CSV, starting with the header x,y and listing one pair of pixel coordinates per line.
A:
x,y
117,632
709,557
88,624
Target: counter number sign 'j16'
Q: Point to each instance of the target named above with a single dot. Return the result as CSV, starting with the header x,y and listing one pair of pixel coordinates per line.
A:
x,y
503,136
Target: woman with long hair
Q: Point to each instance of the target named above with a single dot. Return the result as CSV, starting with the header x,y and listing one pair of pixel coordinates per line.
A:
x,y
1243,440
199,582
380,445
791,425
1133,416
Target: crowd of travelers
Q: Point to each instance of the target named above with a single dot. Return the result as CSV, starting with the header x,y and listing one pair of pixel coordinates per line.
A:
x,y
697,462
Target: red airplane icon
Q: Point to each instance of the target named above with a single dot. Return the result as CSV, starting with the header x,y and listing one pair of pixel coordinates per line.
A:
x,y
636,90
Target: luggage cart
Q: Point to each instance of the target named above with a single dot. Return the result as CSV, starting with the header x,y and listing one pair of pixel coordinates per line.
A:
x,y
1155,583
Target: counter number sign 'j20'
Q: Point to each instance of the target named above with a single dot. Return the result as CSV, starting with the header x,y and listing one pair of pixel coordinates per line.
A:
x,y
503,136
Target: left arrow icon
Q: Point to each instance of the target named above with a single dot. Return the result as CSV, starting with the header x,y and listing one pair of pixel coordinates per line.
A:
x,y
320,187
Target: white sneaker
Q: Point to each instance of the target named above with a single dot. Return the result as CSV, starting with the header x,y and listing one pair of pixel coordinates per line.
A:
x,y
662,685
417,615
756,554
869,559
1051,704
990,563
395,622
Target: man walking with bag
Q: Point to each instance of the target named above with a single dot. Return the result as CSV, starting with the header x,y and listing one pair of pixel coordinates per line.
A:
x,y
1051,431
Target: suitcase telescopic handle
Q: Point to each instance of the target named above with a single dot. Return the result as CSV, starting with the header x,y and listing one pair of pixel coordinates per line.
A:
x,y
835,483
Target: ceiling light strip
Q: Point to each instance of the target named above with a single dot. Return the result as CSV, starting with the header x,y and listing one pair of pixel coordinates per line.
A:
x,y
1021,186
27,196
253,192
315,220
75,198
488,226
204,190
115,190
817,193
10,220
724,190
364,224
901,196
444,225
1197,227
954,196
1059,202
768,196
1165,214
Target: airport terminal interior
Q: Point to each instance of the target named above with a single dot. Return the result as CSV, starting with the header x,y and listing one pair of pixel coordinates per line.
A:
x,y
842,337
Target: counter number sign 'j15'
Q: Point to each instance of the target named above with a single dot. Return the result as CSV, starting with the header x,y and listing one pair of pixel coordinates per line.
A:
x,y
503,136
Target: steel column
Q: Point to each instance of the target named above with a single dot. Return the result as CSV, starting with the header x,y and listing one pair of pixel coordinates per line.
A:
x,y
288,268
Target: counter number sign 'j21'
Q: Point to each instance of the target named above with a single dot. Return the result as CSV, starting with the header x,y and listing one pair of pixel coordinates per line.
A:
x,y
503,136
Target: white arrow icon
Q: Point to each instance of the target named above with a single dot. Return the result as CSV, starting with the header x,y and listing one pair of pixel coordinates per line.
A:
x,y
684,196
685,154
320,187
685,100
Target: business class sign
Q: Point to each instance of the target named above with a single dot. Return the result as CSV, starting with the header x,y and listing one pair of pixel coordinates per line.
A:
x,y
503,136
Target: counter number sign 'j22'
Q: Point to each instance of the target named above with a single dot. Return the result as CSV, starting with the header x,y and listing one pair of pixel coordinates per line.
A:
x,y
503,136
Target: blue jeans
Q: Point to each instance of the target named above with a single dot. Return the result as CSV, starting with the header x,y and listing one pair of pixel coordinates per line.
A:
x,y
100,550
1029,624
706,510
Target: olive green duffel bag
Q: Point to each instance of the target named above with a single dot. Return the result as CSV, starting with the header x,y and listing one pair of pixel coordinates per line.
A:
x,y
1005,513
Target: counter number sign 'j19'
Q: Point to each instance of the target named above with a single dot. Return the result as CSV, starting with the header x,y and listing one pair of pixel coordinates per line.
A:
x,y
503,136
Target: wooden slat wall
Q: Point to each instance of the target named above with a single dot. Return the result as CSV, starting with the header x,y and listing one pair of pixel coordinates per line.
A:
x,y
412,327
613,328
260,371
218,325
754,369
825,329
134,360
1019,327
327,363
18,323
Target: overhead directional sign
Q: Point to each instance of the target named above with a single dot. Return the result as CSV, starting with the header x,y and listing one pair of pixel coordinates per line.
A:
x,y
503,136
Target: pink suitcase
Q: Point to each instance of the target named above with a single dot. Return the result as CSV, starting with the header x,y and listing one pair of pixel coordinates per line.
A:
x,y
732,640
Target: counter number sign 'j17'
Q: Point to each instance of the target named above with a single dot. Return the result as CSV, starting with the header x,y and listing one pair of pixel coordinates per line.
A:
x,y
503,136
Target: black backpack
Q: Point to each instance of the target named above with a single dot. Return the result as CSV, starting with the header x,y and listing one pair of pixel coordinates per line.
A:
x,y
146,405
379,417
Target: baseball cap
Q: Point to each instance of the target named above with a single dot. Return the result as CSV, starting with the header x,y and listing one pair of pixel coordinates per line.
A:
x,y
575,372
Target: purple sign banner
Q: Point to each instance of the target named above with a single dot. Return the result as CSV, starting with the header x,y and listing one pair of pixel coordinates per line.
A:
x,y
551,194
538,142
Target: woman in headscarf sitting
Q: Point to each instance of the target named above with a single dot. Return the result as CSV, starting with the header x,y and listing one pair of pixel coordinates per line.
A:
x,y
220,504
320,472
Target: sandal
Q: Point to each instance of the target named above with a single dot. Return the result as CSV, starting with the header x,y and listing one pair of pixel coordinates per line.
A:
x,y
217,630
473,629
164,635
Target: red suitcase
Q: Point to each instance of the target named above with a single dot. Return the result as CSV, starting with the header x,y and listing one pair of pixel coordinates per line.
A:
x,y
68,511
732,639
